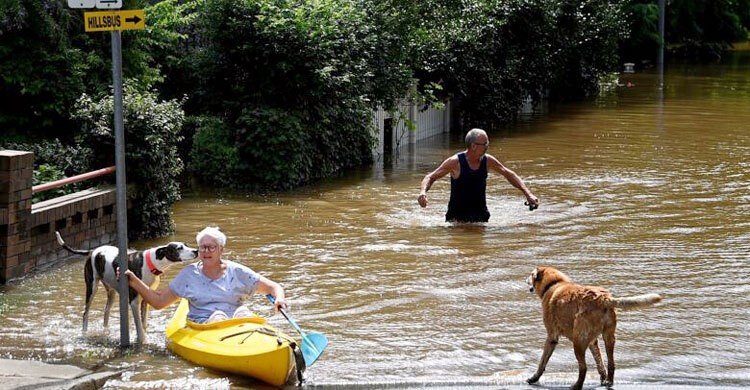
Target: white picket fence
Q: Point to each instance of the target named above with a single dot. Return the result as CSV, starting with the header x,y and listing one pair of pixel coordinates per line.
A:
x,y
393,132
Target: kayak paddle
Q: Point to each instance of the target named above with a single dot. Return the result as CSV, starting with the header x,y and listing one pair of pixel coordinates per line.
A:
x,y
313,343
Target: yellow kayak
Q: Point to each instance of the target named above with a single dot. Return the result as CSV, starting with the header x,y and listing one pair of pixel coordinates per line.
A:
x,y
244,346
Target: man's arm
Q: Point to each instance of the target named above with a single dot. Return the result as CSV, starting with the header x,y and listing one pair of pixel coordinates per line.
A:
x,y
157,299
512,178
450,165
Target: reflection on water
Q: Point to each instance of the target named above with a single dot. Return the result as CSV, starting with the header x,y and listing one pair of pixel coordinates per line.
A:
x,y
636,195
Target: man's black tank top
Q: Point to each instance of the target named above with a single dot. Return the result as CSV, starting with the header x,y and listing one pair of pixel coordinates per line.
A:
x,y
468,201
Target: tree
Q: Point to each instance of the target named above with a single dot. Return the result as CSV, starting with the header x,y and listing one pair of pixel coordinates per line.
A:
x,y
44,66
47,60
694,29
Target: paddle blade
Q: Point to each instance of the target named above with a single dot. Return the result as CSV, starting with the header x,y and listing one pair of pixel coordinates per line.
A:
x,y
313,345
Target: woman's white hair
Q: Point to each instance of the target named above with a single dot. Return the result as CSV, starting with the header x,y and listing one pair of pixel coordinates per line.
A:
x,y
214,233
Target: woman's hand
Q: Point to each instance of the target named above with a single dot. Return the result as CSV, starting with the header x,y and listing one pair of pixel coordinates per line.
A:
x,y
128,273
280,304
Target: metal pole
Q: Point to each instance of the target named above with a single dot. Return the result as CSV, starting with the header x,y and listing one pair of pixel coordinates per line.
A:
x,y
122,212
660,56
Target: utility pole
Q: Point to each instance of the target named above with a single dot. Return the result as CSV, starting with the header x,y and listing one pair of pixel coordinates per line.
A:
x,y
122,210
662,40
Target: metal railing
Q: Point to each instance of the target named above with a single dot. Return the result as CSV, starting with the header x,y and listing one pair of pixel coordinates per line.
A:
x,y
71,180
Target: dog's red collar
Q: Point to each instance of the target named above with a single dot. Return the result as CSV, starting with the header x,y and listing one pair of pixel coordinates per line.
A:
x,y
150,264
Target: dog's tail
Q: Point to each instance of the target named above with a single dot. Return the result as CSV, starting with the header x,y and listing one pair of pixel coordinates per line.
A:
x,y
637,301
69,249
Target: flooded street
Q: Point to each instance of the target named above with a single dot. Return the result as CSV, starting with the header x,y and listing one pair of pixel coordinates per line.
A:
x,y
641,190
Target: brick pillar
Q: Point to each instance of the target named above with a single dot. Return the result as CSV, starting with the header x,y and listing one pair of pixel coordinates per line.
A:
x,y
16,171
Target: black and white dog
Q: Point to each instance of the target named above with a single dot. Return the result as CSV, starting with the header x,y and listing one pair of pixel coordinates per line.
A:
x,y
102,265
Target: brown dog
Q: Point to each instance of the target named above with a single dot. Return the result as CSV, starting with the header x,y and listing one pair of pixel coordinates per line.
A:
x,y
580,313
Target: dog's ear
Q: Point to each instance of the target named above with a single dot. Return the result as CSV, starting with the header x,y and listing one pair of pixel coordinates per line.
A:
x,y
538,274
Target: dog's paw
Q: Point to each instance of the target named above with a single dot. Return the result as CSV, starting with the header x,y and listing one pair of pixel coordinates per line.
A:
x,y
533,379
606,383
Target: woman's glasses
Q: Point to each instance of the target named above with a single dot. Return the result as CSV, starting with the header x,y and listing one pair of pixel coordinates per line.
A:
x,y
208,248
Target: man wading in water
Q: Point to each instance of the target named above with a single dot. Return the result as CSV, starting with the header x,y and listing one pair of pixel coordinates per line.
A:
x,y
468,171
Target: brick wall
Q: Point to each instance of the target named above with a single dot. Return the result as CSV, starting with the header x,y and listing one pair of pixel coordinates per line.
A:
x,y
85,219
16,170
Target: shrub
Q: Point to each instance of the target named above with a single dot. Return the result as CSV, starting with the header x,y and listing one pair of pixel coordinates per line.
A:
x,y
289,80
152,133
44,174
47,60
277,151
698,30
69,159
54,161
490,56
214,158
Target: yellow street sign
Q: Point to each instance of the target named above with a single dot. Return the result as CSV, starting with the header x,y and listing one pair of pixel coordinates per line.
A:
x,y
133,19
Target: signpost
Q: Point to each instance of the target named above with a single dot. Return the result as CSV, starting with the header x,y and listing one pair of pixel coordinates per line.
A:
x,y
660,54
108,4
100,4
122,211
115,21
82,3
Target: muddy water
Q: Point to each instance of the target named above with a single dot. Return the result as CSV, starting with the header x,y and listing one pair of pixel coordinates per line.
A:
x,y
643,190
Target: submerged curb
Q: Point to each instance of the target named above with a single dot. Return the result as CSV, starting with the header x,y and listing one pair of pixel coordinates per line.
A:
x,y
32,374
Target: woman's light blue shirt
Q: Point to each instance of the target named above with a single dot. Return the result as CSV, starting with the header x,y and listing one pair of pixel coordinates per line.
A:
x,y
206,295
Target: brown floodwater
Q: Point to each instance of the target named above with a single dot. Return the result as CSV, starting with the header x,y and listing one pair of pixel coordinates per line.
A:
x,y
642,191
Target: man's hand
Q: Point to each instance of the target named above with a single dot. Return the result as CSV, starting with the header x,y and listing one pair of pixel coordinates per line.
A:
x,y
422,199
532,201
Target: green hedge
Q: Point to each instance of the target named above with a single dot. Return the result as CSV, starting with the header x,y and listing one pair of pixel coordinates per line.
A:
x,y
288,81
492,56
308,72
214,158
152,133
54,160
698,30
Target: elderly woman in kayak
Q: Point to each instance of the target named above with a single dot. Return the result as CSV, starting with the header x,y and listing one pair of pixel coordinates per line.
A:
x,y
213,287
